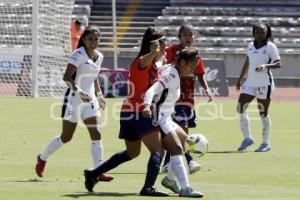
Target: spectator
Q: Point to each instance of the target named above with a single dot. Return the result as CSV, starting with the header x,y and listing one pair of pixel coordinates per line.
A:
x,y
77,29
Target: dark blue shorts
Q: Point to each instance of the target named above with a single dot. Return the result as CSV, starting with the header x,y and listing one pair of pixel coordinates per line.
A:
x,y
133,126
185,115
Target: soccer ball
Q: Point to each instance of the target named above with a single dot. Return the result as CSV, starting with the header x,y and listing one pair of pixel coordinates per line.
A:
x,y
197,144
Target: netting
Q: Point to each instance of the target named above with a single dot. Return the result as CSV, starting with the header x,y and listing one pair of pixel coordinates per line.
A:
x,y
16,44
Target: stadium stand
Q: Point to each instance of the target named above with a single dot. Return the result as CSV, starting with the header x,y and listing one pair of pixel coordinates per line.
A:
x,y
82,10
132,19
224,28
224,24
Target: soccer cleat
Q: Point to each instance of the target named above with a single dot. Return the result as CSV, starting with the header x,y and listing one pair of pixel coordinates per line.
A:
x,y
263,148
152,191
40,166
189,192
170,184
90,181
105,178
193,167
246,143
164,169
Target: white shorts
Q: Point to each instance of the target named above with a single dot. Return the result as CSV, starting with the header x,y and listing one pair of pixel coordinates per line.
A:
x,y
262,92
74,108
167,125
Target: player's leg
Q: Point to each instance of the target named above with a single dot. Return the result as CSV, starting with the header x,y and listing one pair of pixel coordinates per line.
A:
x,y
169,181
263,107
173,144
191,123
131,152
243,103
133,148
181,118
92,125
54,144
165,165
153,143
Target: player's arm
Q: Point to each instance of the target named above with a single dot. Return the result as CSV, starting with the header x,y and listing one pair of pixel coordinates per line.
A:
x,y
274,56
276,64
203,83
156,88
68,76
99,94
243,73
148,58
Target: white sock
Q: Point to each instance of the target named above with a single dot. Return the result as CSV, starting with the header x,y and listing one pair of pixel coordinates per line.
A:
x,y
171,174
245,125
266,123
180,171
97,152
53,145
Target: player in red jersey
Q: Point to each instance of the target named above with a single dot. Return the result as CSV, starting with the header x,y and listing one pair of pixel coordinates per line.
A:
x,y
134,127
184,110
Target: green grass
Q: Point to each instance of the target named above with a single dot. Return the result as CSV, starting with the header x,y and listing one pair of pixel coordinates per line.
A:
x,y
26,127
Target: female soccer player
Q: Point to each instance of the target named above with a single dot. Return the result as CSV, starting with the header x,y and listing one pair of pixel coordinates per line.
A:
x,y
262,56
82,100
185,114
164,93
134,127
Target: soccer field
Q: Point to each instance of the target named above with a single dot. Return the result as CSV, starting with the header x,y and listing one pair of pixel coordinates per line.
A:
x,y
27,125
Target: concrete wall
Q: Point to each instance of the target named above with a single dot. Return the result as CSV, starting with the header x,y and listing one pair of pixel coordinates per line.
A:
x,y
287,76
234,62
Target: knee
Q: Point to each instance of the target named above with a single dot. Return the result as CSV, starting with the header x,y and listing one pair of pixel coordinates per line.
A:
x,y
65,139
96,135
133,154
263,114
239,108
177,149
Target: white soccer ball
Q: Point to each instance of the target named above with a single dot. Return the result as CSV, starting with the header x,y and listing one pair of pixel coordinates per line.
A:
x,y
197,144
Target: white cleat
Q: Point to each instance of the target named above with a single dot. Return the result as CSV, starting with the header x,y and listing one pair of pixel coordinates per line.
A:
x,y
193,167
170,184
189,192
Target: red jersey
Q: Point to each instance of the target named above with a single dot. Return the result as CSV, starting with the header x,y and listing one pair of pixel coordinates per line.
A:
x,y
187,84
139,81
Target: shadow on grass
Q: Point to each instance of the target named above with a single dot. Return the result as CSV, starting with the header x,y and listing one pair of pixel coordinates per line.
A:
x,y
126,172
102,194
229,152
28,181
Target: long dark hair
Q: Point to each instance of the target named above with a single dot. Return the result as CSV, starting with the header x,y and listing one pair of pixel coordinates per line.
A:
x,y
150,34
88,30
269,36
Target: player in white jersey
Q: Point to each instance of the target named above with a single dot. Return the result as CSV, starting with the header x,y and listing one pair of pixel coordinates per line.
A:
x,y
162,95
82,99
262,56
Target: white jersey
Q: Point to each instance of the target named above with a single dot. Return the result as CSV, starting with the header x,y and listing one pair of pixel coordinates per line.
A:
x,y
264,55
165,100
87,70
86,73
